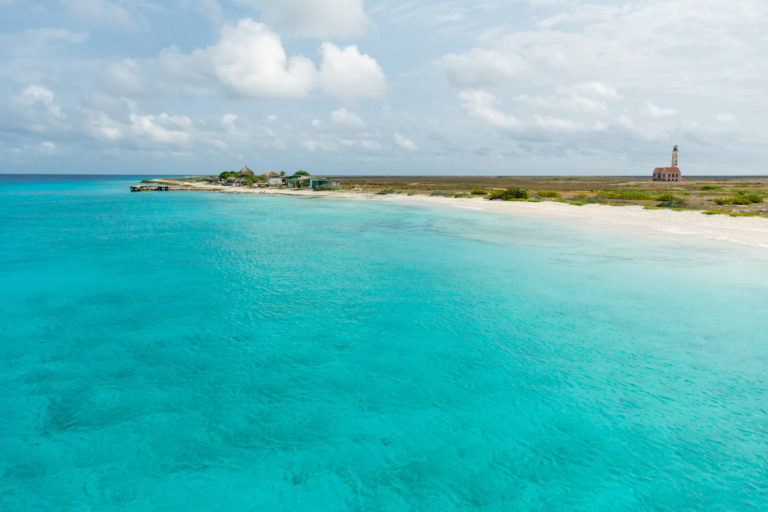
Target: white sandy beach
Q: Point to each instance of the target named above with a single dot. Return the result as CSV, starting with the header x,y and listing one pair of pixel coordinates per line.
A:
x,y
748,231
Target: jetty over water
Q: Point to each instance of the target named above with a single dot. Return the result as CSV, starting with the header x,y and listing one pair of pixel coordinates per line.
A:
x,y
149,188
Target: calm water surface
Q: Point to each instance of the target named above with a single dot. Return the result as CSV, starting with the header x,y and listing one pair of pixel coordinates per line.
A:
x,y
212,352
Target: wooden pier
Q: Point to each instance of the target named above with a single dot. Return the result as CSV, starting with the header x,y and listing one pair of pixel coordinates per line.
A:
x,y
149,188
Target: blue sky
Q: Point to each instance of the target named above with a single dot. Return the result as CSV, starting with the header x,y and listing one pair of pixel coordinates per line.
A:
x,y
353,86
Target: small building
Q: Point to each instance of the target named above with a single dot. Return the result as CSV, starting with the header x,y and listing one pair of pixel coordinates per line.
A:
x,y
310,182
323,184
274,179
246,170
669,173
298,181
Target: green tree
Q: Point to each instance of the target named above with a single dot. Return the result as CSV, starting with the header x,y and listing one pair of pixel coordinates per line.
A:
x,y
508,194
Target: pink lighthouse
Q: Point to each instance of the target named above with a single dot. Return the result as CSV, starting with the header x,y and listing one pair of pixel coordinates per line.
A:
x,y
668,173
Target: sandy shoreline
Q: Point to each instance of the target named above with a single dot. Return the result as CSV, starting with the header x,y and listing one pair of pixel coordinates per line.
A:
x,y
749,231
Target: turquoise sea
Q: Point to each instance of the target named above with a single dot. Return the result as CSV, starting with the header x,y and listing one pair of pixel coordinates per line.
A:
x,y
200,351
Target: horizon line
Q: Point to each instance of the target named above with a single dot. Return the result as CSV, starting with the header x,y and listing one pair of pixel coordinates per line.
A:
x,y
509,174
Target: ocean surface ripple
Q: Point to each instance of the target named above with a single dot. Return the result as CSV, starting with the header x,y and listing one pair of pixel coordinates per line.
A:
x,y
213,352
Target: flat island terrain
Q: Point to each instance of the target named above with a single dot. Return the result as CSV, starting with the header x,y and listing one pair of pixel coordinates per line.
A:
x,y
736,196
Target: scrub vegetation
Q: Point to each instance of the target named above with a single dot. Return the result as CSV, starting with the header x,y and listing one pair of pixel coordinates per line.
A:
x,y
738,196
508,194
243,177
741,197
730,195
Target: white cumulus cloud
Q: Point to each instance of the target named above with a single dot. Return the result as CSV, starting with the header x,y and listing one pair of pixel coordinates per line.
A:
x,y
37,96
481,67
480,104
371,145
346,118
125,76
657,111
101,126
47,147
347,74
250,61
405,143
588,96
164,129
555,124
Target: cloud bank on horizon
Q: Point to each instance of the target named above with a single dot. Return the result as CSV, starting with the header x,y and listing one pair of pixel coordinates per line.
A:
x,y
346,86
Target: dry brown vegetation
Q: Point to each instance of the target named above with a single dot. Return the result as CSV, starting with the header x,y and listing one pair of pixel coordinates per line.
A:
x,y
694,193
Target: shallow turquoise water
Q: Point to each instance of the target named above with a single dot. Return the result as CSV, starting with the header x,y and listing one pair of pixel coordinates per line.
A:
x,y
214,352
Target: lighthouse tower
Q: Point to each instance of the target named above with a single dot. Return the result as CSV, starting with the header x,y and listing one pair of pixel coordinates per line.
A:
x,y
668,173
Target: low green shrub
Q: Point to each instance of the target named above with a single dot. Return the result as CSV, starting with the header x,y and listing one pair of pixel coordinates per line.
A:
x,y
669,200
385,192
630,195
478,192
249,177
741,198
754,197
732,214
710,187
508,194
672,203
666,196
672,208
547,193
